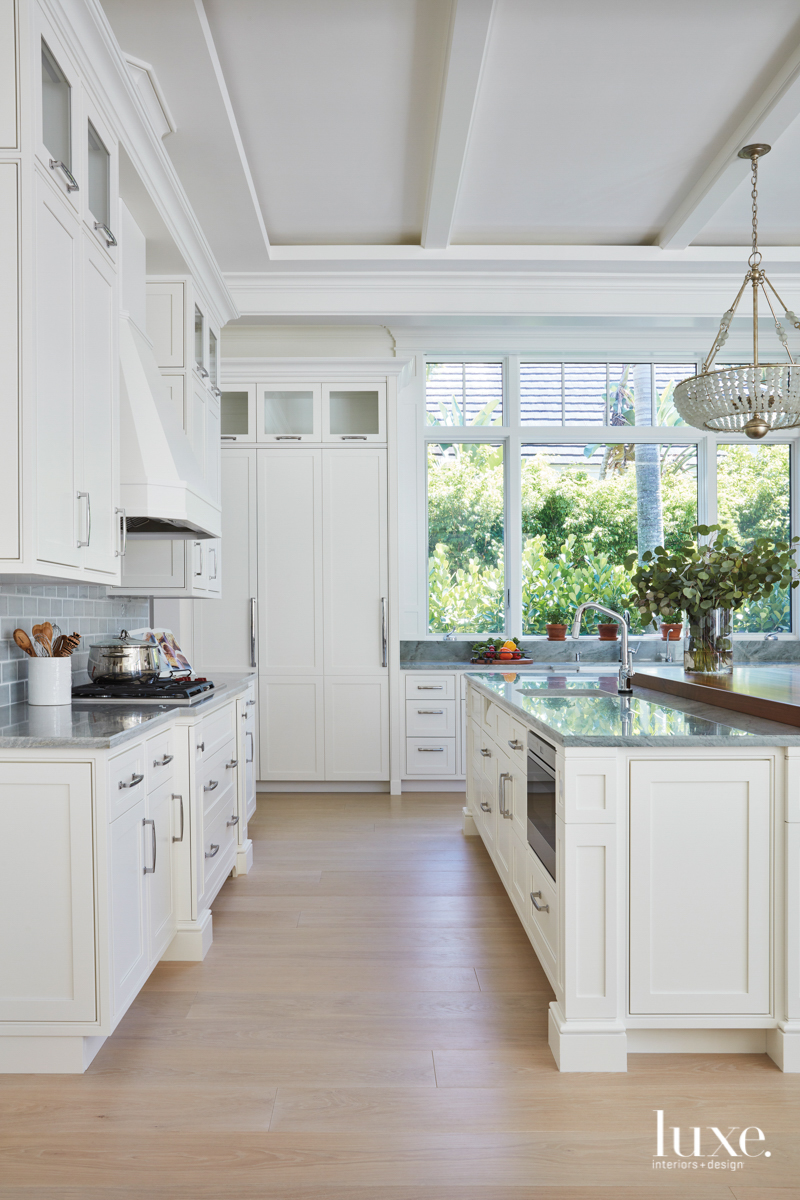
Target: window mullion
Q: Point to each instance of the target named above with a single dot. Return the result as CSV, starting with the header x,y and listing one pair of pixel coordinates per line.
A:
x,y
513,556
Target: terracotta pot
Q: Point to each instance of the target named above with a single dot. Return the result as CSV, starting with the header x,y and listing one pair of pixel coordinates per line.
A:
x,y
671,631
556,633
609,632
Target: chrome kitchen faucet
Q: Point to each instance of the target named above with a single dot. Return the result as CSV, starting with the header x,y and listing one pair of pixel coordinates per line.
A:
x,y
626,665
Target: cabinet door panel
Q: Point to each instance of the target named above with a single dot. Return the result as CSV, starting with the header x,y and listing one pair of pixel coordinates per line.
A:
x,y
290,560
290,710
357,728
165,322
222,630
161,909
98,448
56,385
47,952
700,906
9,334
354,560
129,935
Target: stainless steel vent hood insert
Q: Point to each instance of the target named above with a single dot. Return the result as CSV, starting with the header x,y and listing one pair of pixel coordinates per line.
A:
x,y
161,482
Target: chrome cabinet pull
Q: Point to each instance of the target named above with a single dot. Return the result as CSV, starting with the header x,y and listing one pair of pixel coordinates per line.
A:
x,y
486,807
430,687
507,813
162,762
85,496
539,907
217,392
486,753
288,437
253,606
213,550
515,745
249,703
430,712
123,525
106,232
214,850
430,749
233,763
228,437
57,165
176,797
199,571
134,781
252,747
233,821
384,632
202,371
152,824
353,437
201,746
211,786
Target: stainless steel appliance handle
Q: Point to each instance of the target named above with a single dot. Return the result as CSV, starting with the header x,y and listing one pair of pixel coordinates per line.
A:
x,y
233,821
176,797
134,781
152,824
384,631
211,786
106,232
252,747
539,907
253,604
57,165
214,850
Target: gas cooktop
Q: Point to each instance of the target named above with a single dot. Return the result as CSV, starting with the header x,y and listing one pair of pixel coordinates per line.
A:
x,y
158,691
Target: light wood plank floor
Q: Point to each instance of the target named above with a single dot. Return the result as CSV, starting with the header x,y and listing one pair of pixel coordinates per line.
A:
x,y
370,1024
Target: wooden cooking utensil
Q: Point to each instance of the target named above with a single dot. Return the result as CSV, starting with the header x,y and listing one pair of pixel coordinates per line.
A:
x,y
57,645
67,644
24,642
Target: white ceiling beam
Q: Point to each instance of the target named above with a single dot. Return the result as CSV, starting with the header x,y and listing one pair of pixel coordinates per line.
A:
x,y
774,111
237,137
469,34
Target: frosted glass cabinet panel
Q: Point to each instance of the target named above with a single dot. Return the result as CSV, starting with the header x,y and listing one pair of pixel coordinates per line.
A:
x,y
354,413
199,339
213,369
235,415
56,102
290,414
99,162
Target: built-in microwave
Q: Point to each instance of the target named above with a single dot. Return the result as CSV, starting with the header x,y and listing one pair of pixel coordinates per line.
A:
x,y
542,801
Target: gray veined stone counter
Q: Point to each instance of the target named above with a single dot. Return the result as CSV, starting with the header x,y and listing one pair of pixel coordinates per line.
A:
x,y
99,726
586,710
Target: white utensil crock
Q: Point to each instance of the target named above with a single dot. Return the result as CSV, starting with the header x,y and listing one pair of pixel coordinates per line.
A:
x,y
49,681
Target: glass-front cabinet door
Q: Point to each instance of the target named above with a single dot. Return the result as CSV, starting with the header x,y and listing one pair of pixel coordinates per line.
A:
x,y
238,413
288,413
200,342
354,412
56,149
213,360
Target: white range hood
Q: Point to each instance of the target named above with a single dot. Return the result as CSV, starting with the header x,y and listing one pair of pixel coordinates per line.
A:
x,y
161,482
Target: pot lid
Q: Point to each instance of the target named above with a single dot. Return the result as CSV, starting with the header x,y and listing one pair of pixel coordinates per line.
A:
x,y
123,641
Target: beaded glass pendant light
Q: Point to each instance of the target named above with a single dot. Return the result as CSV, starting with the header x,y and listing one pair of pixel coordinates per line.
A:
x,y
756,398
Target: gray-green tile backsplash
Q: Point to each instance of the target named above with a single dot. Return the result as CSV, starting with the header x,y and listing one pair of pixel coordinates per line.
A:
x,y
76,608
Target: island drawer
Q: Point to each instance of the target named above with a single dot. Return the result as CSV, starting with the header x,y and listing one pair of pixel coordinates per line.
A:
x,y
216,730
513,738
217,777
430,756
438,686
431,718
218,840
543,918
160,756
126,780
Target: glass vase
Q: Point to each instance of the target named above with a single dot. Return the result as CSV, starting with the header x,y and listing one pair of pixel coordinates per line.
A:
x,y
709,648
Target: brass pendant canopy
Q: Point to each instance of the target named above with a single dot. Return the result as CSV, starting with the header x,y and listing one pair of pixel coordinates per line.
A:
x,y
759,397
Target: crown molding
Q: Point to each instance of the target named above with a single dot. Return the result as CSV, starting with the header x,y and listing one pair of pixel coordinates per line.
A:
x,y
315,370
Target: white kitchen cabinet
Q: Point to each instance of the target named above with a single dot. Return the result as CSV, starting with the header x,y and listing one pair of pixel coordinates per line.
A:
x,y
47,946
290,561
161,916
225,635
356,727
289,413
172,568
292,714
238,414
354,562
246,755
99,429
354,412
166,321
128,905
700,894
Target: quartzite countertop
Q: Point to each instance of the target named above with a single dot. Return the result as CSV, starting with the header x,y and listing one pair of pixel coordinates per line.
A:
x,y
100,726
586,710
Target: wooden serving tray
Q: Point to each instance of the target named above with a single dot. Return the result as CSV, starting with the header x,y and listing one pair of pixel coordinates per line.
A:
x,y
503,662
771,692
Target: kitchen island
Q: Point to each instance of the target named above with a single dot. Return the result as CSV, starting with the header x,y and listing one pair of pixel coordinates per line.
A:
x,y
663,897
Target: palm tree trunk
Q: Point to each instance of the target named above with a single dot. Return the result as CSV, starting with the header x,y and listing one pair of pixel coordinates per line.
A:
x,y
648,468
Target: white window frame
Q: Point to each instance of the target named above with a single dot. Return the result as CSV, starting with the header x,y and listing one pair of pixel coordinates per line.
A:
x,y
512,435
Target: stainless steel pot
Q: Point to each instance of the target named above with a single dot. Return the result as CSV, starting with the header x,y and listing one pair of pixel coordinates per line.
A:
x,y
121,659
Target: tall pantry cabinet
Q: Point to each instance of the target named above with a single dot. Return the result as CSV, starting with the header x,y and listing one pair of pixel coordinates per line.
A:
x,y
308,595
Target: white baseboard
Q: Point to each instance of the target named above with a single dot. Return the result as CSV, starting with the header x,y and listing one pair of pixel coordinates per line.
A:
x,y
434,785
323,785
697,1041
192,941
47,1055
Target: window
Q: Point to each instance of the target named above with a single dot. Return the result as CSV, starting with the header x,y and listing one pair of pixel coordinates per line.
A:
x,y
549,478
466,538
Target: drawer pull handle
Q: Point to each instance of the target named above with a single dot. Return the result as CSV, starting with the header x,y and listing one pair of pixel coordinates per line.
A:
x,y
430,687
430,749
149,821
134,781
233,763
250,703
101,227
486,807
288,437
57,165
516,745
539,907
211,785
233,821
162,762
175,797
201,746
430,712
214,850
486,753
505,812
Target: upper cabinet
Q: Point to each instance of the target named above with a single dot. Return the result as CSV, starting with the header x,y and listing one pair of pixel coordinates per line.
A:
x,y
290,413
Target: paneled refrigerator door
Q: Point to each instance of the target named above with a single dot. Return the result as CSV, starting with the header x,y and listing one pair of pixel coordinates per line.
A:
x,y
355,564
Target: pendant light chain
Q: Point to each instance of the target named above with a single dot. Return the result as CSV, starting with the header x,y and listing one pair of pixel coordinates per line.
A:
x,y
755,257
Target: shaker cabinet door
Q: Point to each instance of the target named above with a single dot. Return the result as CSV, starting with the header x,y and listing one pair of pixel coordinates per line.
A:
x,y
128,836
98,473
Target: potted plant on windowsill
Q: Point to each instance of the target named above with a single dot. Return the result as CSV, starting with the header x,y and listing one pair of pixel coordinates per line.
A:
x,y
557,620
671,626
709,581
